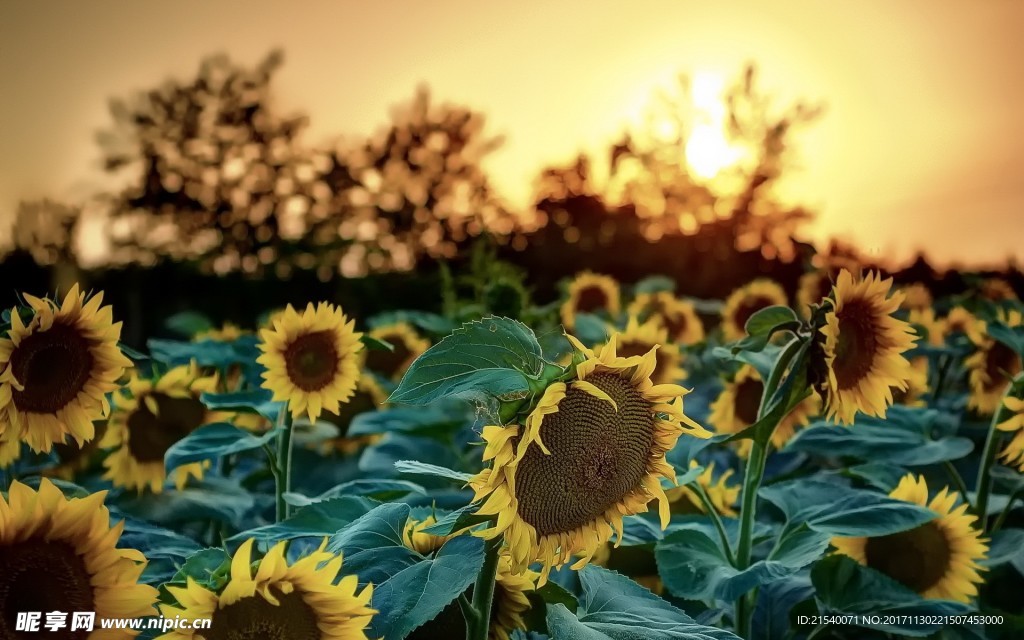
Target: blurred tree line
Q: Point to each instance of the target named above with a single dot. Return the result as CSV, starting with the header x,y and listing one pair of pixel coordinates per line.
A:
x,y
225,208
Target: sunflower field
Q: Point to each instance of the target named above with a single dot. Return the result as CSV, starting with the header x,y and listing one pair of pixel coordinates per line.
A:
x,y
622,463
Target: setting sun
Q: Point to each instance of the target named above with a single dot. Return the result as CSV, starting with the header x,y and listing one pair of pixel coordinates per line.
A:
x,y
708,149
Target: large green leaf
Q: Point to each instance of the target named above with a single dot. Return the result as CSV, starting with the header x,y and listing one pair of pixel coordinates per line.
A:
x,y
838,510
764,322
319,520
212,499
844,586
382,489
1005,547
492,357
434,419
425,469
909,436
1012,337
380,527
206,353
256,401
213,441
188,323
775,602
613,607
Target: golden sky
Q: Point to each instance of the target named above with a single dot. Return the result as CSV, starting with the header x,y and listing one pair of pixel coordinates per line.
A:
x,y
920,146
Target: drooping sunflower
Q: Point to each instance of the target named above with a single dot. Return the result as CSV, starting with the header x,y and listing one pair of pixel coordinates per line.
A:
x,y
991,366
638,339
408,346
590,452
814,286
916,296
590,293
61,555
679,317
56,370
1013,452
312,359
737,405
863,348
149,416
299,601
938,559
723,496
745,302
368,396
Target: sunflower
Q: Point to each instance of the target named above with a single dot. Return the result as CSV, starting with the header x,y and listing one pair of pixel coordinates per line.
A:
x,y
935,328
592,451
814,287
228,332
298,602
368,396
959,320
149,417
916,296
938,559
722,495
408,346
997,290
737,406
312,359
423,543
56,370
863,347
917,384
71,458
991,366
10,451
745,302
590,293
638,339
61,555
1013,454
679,317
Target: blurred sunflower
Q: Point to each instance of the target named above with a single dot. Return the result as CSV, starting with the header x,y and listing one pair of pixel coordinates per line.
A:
x,y
590,293
959,321
638,339
10,451
408,346
916,296
368,396
992,365
72,458
745,302
56,370
149,416
938,559
723,496
61,555
737,406
997,290
298,602
228,332
863,347
935,328
1013,453
312,359
917,384
592,451
679,317
814,287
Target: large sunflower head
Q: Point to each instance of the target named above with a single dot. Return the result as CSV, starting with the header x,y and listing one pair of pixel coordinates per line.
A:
x,y
591,451
991,366
56,370
301,601
862,351
723,496
311,359
638,339
368,396
61,555
737,406
938,559
679,317
745,302
814,287
590,293
1013,452
149,417
916,296
408,346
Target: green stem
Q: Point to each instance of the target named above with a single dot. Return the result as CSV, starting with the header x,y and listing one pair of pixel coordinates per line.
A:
x,y
483,592
717,521
283,477
988,458
748,510
957,479
1001,520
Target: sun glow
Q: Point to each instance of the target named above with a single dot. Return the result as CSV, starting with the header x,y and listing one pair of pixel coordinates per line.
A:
x,y
708,149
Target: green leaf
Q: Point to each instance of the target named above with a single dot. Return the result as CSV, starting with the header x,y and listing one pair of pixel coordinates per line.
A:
x,y
613,607
844,586
492,357
208,567
1006,546
590,329
767,321
256,401
206,353
419,592
843,511
429,322
762,360
424,469
654,284
188,323
376,488
213,441
430,420
882,476
210,499
1012,337
775,602
319,520
380,527
376,344
907,436
457,520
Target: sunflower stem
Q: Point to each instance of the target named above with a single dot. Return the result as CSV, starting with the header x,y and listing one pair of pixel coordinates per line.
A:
x,y
1001,520
748,509
717,521
988,459
483,592
283,477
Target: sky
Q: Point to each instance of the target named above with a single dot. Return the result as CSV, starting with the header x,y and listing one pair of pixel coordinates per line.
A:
x,y
919,149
